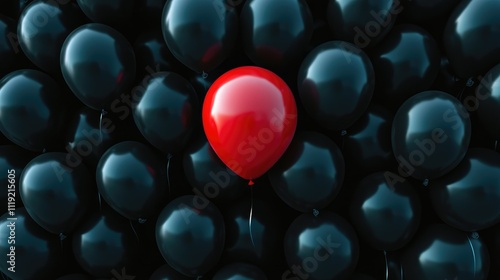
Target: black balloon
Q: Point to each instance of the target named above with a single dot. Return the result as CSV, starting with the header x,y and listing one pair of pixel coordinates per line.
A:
x,y
359,276
364,23
153,55
13,8
430,135
240,271
190,234
87,137
32,109
105,244
405,63
336,82
13,160
42,29
51,180
208,174
275,33
37,253
367,144
8,43
200,33
321,248
467,198
386,214
488,95
111,12
131,177
441,252
310,173
98,64
165,272
472,37
167,111
259,244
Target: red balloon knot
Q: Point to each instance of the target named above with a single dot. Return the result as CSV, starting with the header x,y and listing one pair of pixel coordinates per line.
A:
x,y
250,183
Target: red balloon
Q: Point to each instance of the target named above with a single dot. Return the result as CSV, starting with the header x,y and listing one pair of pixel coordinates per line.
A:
x,y
249,117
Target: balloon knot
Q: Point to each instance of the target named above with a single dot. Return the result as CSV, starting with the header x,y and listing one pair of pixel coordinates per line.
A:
x,y
343,132
475,235
169,156
141,220
62,236
315,212
250,183
204,75
425,182
470,82
103,112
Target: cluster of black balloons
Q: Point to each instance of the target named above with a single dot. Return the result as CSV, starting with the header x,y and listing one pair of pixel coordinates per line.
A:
x,y
393,173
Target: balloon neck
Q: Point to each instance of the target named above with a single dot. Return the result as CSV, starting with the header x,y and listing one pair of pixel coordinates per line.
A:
x,y
425,182
250,183
62,236
470,82
315,212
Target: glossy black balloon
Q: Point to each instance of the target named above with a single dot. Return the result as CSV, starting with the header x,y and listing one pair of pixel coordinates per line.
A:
x,y
386,214
208,174
472,37
321,248
363,23
467,198
50,179
367,144
131,177
38,253
441,252
310,173
430,135
87,137
98,64
112,12
13,159
42,29
275,33
190,234
200,33
335,83
165,272
240,271
423,11
153,55
166,112
32,109
405,63
104,243
488,95
8,43
264,243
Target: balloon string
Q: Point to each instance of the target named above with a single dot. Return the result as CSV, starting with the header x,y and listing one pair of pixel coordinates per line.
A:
x,y
496,145
135,232
386,266
250,218
343,133
199,277
169,157
61,238
473,254
103,112
3,276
